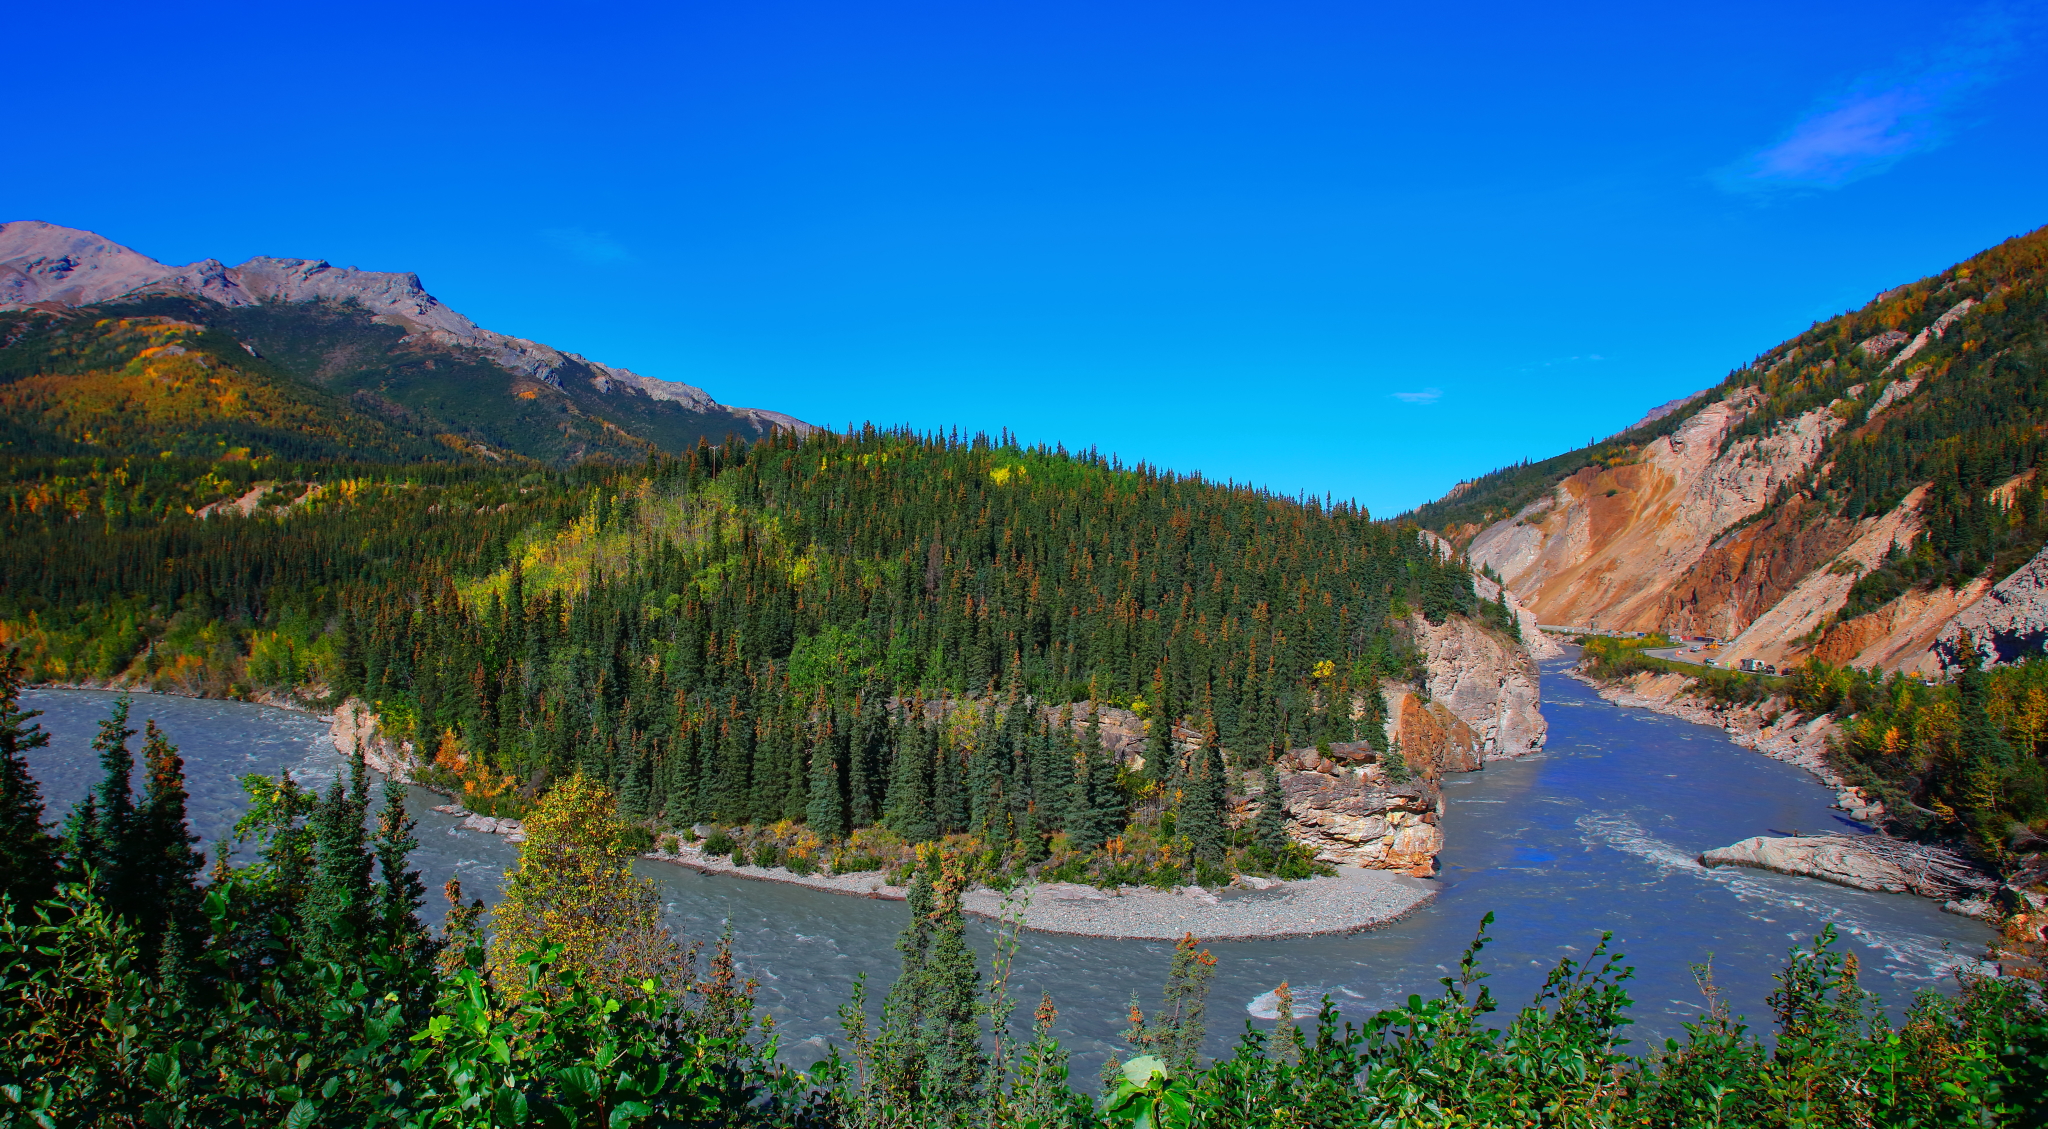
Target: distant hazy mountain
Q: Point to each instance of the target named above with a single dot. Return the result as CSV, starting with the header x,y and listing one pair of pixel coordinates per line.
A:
x,y
367,361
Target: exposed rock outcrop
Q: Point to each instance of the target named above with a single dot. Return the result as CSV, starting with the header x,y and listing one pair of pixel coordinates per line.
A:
x,y
1830,858
1603,548
1483,679
1868,862
2010,620
1744,575
1431,738
355,723
1356,818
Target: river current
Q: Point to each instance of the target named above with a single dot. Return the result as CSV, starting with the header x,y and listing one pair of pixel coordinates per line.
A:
x,y
1598,832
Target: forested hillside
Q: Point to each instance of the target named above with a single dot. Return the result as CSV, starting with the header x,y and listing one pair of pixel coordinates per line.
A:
x,y
147,385
309,380
743,634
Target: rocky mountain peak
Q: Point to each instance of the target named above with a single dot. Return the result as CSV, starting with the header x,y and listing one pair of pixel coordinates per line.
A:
x,y
45,265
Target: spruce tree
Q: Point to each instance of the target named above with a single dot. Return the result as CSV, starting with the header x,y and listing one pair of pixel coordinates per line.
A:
x,y
28,852
336,912
930,1048
1162,760
1099,810
159,851
1175,1031
911,810
400,893
827,807
1202,799
97,829
1269,828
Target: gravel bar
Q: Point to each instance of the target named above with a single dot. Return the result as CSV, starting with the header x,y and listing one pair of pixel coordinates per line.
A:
x,y
1353,901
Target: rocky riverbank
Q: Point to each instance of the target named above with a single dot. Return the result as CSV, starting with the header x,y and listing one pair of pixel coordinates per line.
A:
x,y
1768,728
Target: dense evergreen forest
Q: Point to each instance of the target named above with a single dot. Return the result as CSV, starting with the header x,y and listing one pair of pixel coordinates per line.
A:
x,y
910,635
1977,335
297,987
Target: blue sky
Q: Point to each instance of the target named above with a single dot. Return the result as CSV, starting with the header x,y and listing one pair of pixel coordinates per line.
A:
x,y
1347,248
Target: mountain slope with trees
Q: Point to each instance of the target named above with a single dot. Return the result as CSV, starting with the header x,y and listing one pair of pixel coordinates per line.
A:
x,y
1876,463
368,362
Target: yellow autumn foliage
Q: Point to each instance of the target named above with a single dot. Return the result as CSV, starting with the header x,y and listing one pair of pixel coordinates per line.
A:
x,y
574,886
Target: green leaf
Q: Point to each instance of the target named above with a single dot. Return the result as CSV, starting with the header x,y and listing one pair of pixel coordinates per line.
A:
x,y
301,1115
162,1071
1143,1069
626,1113
579,1082
509,1105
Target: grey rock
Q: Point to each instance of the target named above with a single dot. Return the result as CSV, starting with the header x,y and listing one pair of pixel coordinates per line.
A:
x,y
1830,858
2009,622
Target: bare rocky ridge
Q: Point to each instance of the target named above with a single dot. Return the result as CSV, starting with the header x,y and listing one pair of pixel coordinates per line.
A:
x,y
1669,542
46,266
1604,547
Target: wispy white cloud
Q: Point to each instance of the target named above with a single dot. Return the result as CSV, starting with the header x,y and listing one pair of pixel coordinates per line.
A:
x,y
1880,119
1587,358
589,246
1426,396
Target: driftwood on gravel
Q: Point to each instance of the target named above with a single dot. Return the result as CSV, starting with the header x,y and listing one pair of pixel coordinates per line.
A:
x,y
1931,866
1866,862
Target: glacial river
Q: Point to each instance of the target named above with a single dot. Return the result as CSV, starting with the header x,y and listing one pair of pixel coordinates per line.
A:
x,y
1598,832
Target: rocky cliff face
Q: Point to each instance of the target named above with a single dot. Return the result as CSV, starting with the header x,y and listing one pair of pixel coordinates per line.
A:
x,y
1481,701
1622,547
1667,543
1483,680
2010,620
1750,512
44,266
1356,817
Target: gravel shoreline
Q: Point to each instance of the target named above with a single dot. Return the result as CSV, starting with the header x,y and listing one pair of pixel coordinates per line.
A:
x,y
1354,901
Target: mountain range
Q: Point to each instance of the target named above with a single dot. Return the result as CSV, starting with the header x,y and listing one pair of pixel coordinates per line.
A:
x,y
300,356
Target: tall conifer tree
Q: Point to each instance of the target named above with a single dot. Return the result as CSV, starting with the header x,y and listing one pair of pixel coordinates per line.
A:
x,y
28,852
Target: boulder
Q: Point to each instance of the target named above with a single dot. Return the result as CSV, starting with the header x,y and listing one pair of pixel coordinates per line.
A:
x,y
1830,858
